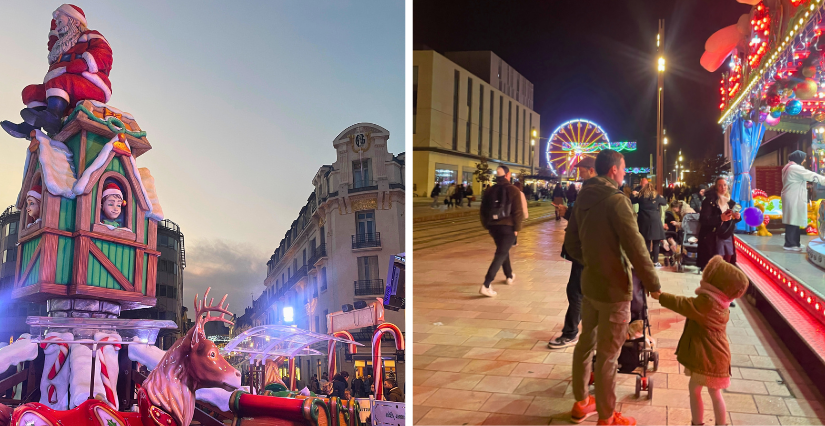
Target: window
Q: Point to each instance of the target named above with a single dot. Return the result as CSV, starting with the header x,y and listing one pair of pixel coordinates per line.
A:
x,y
468,178
490,152
469,113
324,280
480,116
455,111
125,219
10,255
317,324
415,95
11,228
509,125
365,224
516,133
368,268
361,173
162,290
500,122
295,265
531,141
326,312
305,257
524,136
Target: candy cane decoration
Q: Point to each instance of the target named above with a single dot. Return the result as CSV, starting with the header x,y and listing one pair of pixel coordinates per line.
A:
x,y
109,383
291,366
57,365
332,366
377,365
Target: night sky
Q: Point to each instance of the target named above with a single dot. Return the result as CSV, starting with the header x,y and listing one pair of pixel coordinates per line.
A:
x,y
597,60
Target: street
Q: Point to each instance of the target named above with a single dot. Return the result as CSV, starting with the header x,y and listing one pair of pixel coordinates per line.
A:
x,y
484,360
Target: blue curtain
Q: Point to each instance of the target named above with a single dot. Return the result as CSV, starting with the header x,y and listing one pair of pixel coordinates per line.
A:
x,y
744,144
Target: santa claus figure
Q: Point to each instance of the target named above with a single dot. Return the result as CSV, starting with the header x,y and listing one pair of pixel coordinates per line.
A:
x,y
79,63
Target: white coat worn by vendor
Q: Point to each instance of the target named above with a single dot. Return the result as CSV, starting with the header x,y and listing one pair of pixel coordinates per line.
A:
x,y
795,198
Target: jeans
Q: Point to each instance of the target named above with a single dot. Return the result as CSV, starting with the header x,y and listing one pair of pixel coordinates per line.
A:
x,y
504,236
611,320
574,302
792,233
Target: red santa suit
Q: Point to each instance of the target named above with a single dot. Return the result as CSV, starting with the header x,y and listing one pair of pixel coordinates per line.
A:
x,y
82,72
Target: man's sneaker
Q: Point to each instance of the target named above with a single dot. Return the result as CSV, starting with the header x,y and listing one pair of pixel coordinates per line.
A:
x,y
583,409
509,281
487,291
617,419
562,342
790,248
657,265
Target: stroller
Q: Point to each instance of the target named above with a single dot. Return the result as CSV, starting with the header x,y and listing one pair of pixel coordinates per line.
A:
x,y
638,350
690,240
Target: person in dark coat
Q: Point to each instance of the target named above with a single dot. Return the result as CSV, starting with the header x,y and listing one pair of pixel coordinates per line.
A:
x,y
697,198
358,387
392,392
459,195
434,195
572,192
650,219
717,221
468,192
558,198
339,384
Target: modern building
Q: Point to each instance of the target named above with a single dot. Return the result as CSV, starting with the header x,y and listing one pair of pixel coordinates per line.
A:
x,y
469,106
13,313
338,249
169,286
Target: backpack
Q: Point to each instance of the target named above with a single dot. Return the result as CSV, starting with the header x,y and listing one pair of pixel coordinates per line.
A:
x,y
501,207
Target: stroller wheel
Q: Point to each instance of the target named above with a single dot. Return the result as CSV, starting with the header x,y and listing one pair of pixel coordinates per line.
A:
x,y
638,386
650,388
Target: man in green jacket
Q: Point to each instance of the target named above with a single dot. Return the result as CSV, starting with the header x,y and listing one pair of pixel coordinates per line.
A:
x,y
602,235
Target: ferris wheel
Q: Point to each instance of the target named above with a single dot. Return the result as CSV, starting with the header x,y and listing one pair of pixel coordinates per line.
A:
x,y
575,140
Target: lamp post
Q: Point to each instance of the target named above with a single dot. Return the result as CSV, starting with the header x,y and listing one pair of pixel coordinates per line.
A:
x,y
660,93
664,162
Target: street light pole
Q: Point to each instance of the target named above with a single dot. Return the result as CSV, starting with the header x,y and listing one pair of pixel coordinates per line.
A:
x,y
660,94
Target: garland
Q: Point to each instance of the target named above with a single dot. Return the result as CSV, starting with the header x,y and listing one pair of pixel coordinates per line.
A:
x,y
113,123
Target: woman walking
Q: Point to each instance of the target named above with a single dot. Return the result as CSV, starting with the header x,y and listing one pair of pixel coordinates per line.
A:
x,y
650,219
558,198
434,195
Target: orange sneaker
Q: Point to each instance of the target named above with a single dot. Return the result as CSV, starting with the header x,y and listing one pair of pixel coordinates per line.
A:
x,y
617,419
583,409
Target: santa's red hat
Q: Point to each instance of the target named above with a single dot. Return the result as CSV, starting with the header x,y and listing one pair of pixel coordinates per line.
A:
x,y
112,189
35,192
72,11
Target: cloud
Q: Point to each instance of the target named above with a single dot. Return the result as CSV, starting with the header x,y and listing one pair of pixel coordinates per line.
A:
x,y
229,267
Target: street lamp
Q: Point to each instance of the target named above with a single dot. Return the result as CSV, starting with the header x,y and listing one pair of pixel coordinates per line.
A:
x,y
660,94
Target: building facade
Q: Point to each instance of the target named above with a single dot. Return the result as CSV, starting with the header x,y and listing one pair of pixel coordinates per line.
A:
x,y
13,313
468,106
338,249
169,285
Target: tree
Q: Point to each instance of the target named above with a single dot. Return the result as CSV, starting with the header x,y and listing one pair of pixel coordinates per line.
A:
x,y
483,173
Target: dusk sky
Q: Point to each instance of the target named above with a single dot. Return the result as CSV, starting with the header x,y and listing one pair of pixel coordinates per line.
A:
x,y
596,60
241,101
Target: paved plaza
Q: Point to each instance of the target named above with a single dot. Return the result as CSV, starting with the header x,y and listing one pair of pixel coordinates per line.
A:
x,y
484,360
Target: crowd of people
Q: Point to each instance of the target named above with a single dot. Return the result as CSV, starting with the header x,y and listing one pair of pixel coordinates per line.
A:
x,y
360,387
609,244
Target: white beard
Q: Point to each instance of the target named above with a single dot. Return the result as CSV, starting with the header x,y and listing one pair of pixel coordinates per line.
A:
x,y
66,42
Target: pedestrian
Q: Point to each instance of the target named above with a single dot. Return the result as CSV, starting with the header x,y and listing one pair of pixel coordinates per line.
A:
x,y
392,392
368,389
358,386
448,200
347,395
642,184
697,198
502,215
650,219
717,223
572,318
339,384
571,194
703,349
794,198
668,192
459,195
558,198
602,234
314,385
520,187
674,234
434,195
468,192
324,381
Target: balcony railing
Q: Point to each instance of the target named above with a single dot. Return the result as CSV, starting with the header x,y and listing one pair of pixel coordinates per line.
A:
x,y
396,186
364,185
366,240
300,273
369,287
320,253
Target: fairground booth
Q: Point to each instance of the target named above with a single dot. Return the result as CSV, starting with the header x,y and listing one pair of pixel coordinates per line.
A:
x,y
773,106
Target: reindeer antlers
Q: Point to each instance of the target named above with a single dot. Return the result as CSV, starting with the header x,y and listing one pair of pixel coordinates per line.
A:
x,y
200,308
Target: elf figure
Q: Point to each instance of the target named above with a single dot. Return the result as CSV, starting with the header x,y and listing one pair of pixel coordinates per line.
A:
x,y
111,206
33,199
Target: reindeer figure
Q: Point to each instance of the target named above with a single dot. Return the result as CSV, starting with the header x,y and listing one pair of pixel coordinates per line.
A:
x,y
193,362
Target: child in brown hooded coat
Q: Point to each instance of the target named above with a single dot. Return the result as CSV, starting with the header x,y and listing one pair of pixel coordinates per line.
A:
x,y
704,349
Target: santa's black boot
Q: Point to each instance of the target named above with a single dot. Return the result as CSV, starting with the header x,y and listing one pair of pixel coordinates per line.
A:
x,y
22,130
50,119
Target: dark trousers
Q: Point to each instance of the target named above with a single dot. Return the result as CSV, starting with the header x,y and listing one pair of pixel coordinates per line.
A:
x,y
654,249
504,236
792,233
574,301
